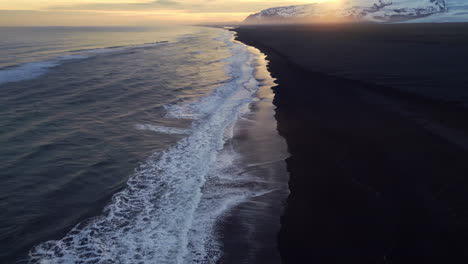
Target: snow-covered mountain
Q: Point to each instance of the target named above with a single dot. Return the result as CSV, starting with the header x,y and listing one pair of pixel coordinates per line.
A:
x,y
364,11
456,11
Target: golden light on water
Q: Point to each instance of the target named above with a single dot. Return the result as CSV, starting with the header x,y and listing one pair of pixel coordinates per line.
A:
x,y
130,12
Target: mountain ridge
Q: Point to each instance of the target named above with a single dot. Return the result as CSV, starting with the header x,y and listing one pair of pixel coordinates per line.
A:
x,y
377,11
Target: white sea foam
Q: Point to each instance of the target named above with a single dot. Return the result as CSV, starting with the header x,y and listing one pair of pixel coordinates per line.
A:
x,y
163,129
32,70
168,211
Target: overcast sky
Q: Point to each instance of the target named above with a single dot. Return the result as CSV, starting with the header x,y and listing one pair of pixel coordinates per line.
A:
x,y
129,12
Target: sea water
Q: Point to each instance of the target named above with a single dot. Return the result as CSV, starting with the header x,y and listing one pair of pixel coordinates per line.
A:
x,y
129,145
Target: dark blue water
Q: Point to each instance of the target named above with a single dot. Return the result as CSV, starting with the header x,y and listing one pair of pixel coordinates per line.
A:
x,y
120,118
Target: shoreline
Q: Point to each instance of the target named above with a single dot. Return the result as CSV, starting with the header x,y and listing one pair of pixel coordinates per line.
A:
x,y
171,204
248,231
367,182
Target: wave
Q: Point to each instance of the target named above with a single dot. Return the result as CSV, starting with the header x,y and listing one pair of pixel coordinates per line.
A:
x,y
164,130
32,70
120,48
168,211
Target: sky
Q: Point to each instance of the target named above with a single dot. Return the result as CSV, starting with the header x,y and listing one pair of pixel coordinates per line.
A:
x,y
130,12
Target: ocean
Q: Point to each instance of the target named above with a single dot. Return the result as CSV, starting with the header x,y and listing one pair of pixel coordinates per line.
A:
x,y
137,145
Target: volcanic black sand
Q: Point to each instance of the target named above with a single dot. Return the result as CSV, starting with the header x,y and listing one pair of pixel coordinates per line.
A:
x,y
376,122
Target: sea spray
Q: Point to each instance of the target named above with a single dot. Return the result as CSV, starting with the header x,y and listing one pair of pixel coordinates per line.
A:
x,y
152,219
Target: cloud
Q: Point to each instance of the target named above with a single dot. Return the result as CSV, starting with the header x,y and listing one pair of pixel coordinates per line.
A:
x,y
165,2
154,5
189,6
135,12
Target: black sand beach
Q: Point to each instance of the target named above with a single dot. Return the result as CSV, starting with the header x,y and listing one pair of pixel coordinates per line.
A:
x,y
248,231
375,121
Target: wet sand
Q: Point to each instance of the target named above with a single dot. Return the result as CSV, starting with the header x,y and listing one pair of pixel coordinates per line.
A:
x,y
249,231
378,166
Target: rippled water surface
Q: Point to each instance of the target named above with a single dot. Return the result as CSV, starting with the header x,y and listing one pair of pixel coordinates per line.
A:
x,y
135,121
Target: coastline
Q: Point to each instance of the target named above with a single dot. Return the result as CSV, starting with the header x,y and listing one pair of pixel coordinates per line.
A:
x,y
226,172
248,231
369,183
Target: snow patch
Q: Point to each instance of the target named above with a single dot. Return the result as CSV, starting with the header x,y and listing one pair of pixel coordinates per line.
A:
x,y
382,11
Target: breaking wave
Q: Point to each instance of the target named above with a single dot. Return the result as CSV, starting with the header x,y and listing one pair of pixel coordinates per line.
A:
x,y
164,130
32,70
168,210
